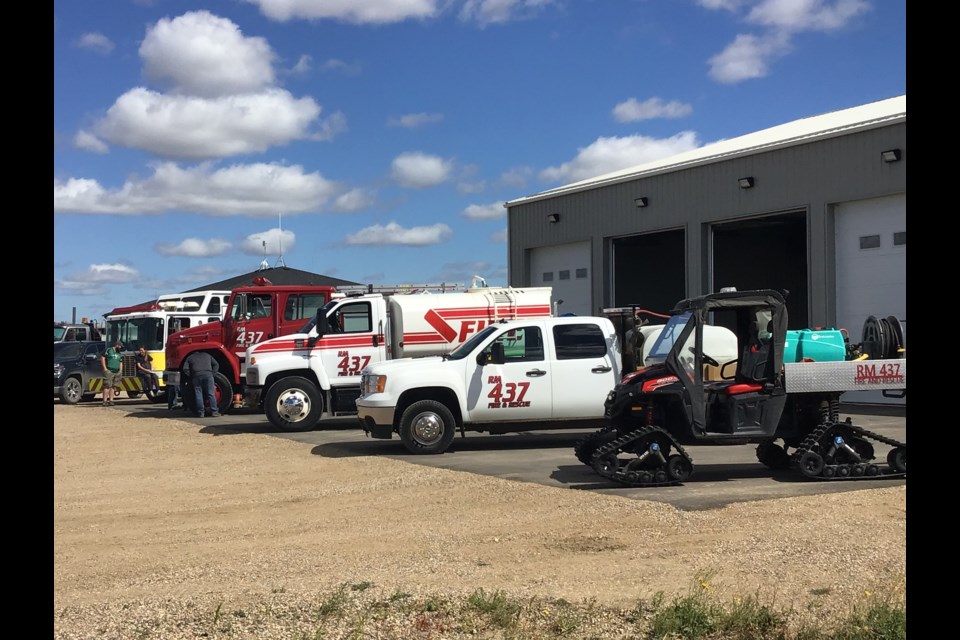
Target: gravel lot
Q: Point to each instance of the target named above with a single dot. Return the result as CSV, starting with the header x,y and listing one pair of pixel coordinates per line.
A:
x,y
157,525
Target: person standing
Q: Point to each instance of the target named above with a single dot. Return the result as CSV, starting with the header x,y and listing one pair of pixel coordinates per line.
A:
x,y
111,361
200,367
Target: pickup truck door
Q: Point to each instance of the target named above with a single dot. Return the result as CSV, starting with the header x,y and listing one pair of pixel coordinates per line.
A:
x,y
355,342
583,370
519,389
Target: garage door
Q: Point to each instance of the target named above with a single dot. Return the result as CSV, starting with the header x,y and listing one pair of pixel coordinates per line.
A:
x,y
564,267
871,259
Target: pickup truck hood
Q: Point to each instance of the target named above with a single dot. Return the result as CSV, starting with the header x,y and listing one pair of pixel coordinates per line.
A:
x,y
388,367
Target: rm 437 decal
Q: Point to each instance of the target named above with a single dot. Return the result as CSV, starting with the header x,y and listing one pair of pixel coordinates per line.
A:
x,y
507,395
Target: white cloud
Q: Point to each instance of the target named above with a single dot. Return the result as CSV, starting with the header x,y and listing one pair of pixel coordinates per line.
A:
x,y
486,12
471,187
492,211
414,120
303,66
189,127
394,234
747,57
728,5
355,200
330,127
195,248
347,68
516,176
607,155
499,236
279,241
631,110
418,170
806,15
201,54
352,11
108,274
251,190
95,42
80,288
89,142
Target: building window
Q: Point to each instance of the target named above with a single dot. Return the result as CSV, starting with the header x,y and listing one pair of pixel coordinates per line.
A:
x,y
900,239
548,276
869,242
564,275
581,273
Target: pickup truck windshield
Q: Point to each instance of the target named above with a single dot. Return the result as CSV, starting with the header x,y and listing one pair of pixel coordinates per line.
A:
x,y
464,350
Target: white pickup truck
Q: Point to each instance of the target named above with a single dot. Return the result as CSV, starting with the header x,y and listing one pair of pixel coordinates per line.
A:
x,y
518,375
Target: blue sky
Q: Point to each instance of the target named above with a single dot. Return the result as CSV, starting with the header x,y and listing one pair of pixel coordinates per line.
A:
x,y
377,140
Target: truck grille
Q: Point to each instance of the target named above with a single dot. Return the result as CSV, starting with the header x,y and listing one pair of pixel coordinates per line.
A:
x,y
128,366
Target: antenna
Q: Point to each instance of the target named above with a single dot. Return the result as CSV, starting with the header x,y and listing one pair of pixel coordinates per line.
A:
x,y
280,240
263,263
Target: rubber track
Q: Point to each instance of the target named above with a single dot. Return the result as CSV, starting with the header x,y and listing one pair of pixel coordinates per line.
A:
x,y
618,444
818,435
596,436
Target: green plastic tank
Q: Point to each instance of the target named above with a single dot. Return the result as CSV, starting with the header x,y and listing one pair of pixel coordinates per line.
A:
x,y
819,345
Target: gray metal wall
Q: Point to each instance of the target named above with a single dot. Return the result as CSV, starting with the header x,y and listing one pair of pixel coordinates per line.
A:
x,y
811,177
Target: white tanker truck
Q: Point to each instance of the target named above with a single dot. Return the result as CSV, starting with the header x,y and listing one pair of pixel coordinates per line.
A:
x,y
303,378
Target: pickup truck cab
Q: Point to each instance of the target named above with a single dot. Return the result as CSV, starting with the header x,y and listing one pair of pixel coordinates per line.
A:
x,y
517,375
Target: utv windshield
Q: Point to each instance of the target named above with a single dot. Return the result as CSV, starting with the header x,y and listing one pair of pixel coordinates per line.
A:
x,y
464,350
668,337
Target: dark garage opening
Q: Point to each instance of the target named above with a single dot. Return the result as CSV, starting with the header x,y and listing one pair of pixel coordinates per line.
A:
x,y
765,253
649,270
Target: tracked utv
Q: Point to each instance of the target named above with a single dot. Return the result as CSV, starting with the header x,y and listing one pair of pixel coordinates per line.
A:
x,y
686,395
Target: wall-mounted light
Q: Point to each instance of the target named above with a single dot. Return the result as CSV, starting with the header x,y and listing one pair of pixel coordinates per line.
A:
x,y
890,155
745,183
553,218
641,202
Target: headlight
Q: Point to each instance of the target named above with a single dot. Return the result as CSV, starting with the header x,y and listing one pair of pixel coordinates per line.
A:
x,y
58,369
370,384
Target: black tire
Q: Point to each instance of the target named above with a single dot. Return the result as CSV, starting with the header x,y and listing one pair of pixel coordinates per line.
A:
x,y
293,404
156,396
811,464
72,391
223,390
897,459
133,394
679,468
427,426
773,455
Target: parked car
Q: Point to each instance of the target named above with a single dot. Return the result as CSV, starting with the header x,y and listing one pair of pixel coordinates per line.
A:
x,y
74,365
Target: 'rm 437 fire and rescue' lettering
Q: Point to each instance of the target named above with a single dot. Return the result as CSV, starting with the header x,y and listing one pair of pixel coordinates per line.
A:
x,y
507,395
351,365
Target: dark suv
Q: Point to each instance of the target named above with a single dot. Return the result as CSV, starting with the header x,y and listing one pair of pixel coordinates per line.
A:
x,y
74,365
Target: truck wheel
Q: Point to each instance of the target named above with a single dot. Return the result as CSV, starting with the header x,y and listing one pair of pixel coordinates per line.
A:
x,y
71,392
223,390
293,404
427,426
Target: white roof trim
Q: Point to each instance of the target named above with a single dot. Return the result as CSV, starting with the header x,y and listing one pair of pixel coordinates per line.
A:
x,y
868,116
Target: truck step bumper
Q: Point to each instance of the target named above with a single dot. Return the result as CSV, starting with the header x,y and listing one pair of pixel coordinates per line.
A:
x,y
374,430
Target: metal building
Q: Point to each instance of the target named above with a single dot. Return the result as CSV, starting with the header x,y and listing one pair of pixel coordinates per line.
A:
x,y
817,206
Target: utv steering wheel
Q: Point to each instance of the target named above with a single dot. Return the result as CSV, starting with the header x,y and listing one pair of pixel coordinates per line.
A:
x,y
710,361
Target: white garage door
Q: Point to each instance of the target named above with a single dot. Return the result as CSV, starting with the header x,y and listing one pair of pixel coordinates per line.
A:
x,y
871,258
566,268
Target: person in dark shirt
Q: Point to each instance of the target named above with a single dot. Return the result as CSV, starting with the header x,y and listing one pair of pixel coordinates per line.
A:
x,y
200,367
148,378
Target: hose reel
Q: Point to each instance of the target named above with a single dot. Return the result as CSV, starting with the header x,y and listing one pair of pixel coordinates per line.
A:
x,y
882,338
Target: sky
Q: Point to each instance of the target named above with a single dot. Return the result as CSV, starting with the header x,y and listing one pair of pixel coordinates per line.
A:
x,y
376,141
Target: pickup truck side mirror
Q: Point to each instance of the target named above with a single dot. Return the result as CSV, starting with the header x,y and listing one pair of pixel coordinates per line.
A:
x,y
323,324
494,356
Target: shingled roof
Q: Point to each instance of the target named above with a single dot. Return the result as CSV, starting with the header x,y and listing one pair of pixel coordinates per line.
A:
x,y
277,275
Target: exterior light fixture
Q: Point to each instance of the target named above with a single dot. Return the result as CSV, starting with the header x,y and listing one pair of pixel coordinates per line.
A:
x,y
745,183
641,202
890,155
553,218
